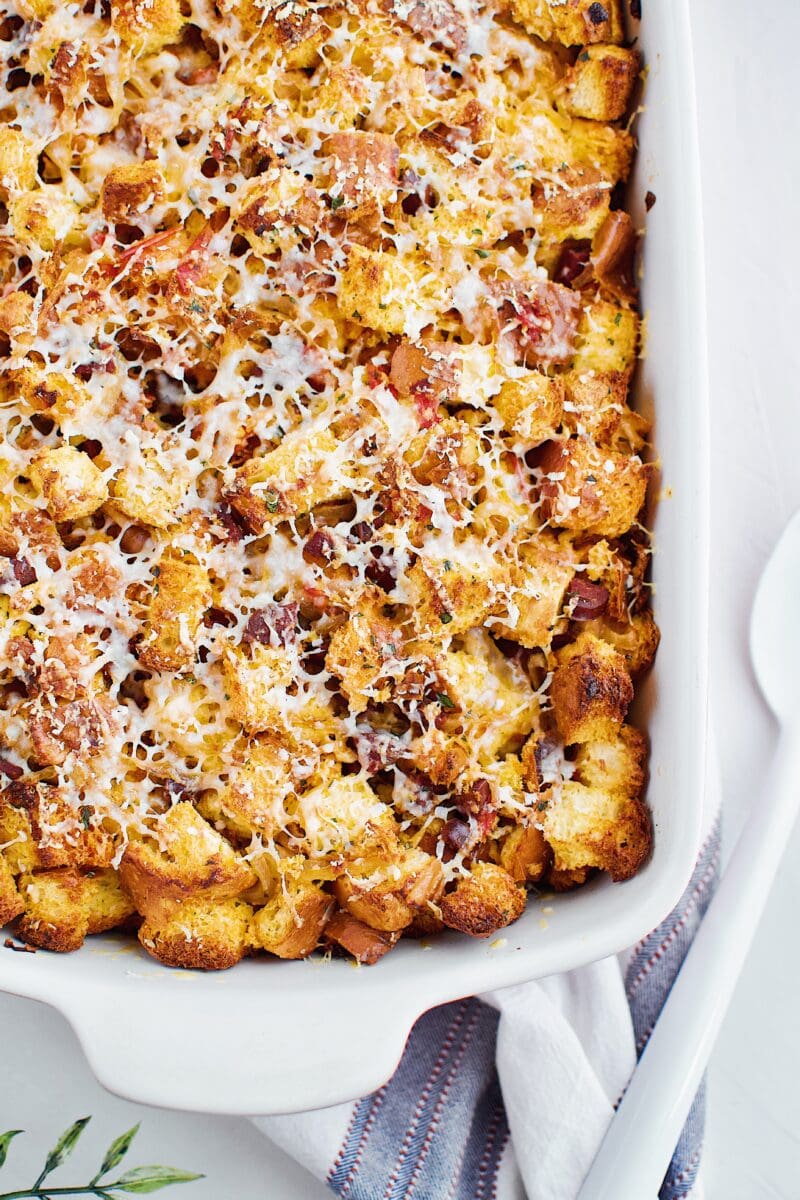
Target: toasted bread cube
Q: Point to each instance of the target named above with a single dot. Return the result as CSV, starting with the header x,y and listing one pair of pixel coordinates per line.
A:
x,y
54,394
277,210
62,907
591,691
596,402
380,291
440,755
449,597
17,160
637,640
495,704
484,901
361,653
11,903
618,766
605,147
365,944
289,480
147,25
343,96
253,799
149,490
291,924
590,488
600,83
130,189
295,30
540,580
410,881
571,22
181,595
592,827
42,219
362,168
342,813
45,831
524,853
256,679
190,860
531,408
198,934
72,486
608,339
574,211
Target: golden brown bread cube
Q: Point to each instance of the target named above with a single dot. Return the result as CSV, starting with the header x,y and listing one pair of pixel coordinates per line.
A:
x,y
256,678
343,95
148,490
206,936
361,652
181,594
619,765
147,25
449,597
485,900
71,485
130,189
186,859
62,907
595,827
608,339
362,173
591,489
571,22
410,880
291,924
45,831
42,220
288,480
540,580
600,82
606,148
379,290
524,853
531,407
17,160
636,639
365,944
595,402
11,903
576,210
591,690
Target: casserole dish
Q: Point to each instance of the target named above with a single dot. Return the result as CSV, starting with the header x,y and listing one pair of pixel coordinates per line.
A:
x,y
289,1036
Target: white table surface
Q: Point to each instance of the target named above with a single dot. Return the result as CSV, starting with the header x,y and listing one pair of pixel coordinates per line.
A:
x,y
747,72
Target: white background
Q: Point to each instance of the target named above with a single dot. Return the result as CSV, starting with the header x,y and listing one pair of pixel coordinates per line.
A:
x,y
748,84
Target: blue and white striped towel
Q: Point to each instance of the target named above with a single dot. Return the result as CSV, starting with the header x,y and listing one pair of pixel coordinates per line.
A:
x,y
509,1095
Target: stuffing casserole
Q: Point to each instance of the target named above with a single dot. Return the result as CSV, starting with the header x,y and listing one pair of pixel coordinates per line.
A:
x,y
323,576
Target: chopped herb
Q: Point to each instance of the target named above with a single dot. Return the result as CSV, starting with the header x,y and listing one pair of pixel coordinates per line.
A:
x,y
356,315
584,57
541,806
445,618
482,253
271,501
336,202
618,318
444,700
382,306
196,306
476,233
448,566
86,814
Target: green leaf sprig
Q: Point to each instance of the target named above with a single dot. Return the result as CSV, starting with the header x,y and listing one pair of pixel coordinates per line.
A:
x,y
140,1181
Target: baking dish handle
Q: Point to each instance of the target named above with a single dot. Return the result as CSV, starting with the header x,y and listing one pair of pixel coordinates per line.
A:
x,y
187,1052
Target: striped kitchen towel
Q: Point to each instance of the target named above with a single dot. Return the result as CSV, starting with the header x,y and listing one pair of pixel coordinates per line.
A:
x,y
509,1095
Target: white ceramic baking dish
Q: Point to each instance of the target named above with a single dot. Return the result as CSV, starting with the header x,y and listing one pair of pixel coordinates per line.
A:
x,y
272,1037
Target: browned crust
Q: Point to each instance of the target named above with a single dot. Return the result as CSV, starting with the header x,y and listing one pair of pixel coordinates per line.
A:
x,y
483,902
